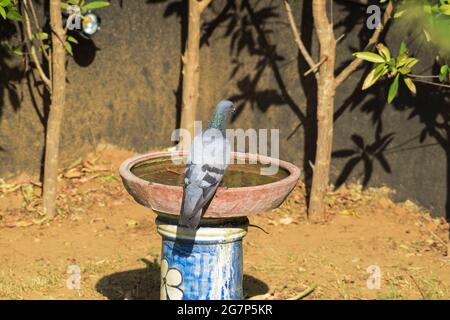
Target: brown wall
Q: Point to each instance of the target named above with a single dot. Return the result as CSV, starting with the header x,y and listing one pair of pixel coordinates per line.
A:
x,y
127,97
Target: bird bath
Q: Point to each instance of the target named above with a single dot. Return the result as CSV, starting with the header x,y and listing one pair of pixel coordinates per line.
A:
x,y
207,263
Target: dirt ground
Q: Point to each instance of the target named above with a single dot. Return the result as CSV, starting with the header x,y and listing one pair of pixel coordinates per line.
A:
x,y
114,242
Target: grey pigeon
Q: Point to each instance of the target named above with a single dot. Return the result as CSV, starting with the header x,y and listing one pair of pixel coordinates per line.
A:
x,y
207,161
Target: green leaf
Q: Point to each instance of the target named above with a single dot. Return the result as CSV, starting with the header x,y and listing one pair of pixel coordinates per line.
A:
x,y
374,75
443,73
3,13
68,47
427,8
384,51
4,3
14,15
400,61
95,5
399,14
41,36
393,89
368,82
72,39
427,35
369,56
409,63
403,49
410,84
18,52
445,9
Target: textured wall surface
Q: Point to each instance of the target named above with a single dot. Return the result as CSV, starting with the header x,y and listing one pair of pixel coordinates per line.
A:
x,y
127,95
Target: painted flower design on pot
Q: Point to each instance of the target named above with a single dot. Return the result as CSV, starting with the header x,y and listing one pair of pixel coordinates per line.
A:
x,y
171,279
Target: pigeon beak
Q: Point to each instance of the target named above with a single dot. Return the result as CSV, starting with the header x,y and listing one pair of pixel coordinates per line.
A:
x,y
233,110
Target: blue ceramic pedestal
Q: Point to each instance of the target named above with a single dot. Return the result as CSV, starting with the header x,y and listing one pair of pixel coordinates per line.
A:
x,y
202,265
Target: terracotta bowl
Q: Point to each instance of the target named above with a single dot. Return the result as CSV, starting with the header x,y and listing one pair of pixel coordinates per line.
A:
x,y
227,202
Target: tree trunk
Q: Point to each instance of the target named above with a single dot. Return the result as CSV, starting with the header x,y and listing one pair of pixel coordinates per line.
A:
x,y
53,132
327,84
191,75
325,108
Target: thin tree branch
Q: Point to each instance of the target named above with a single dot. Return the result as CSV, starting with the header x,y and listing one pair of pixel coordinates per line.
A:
x,y
62,40
298,38
418,287
342,36
359,2
316,66
203,4
32,51
432,83
421,76
303,294
372,41
36,23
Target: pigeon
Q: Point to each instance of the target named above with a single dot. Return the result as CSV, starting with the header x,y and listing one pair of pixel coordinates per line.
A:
x,y
207,161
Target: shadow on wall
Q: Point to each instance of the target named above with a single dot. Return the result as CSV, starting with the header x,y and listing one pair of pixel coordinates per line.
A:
x,y
144,284
84,51
367,154
178,8
14,71
11,73
430,106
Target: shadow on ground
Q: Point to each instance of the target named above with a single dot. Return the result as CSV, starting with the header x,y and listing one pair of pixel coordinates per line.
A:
x,y
143,284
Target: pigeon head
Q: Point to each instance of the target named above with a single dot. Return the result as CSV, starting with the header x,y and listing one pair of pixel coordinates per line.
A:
x,y
225,107
221,115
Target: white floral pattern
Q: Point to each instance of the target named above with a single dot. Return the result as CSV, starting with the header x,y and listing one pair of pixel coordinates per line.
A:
x,y
171,279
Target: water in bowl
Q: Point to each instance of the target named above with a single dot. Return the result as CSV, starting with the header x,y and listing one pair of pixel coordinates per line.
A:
x,y
164,171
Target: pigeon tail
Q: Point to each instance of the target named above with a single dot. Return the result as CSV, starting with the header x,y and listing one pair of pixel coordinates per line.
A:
x,y
191,222
190,213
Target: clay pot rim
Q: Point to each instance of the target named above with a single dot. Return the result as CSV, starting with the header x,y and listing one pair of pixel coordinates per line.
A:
x,y
125,171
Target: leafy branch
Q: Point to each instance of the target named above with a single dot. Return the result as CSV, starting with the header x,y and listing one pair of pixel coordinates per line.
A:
x,y
9,10
392,68
84,5
398,68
